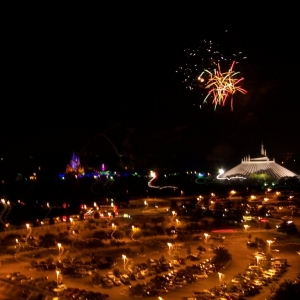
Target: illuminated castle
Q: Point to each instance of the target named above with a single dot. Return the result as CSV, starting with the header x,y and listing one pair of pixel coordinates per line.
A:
x,y
74,166
259,165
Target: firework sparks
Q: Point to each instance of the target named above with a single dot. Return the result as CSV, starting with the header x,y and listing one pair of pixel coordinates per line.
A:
x,y
222,85
211,56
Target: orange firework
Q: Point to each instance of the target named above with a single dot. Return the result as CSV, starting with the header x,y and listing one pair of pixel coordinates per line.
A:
x,y
221,85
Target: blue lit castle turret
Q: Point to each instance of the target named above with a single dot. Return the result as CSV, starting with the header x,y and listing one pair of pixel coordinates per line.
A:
x,y
74,166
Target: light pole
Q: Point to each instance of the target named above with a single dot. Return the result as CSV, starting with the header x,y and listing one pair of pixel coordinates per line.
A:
x,y
72,224
133,230
146,206
57,277
206,235
9,209
28,232
110,217
114,227
75,238
221,276
174,214
270,243
177,222
246,227
257,259
18,248
124,258
48,205
72,232
60,250
3,210
170,247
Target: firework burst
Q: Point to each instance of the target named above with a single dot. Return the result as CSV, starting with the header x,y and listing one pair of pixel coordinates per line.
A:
x,y
222,85
212,57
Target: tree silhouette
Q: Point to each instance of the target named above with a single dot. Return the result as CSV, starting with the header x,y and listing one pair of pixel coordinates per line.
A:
x,y
287,290
222,256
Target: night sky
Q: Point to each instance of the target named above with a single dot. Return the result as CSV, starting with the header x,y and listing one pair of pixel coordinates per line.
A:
x,y
68,77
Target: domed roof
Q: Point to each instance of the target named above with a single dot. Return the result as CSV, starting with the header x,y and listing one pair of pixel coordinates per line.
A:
x,y
259,165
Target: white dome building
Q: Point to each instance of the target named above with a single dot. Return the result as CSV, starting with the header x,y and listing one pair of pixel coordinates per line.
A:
x,y
260,165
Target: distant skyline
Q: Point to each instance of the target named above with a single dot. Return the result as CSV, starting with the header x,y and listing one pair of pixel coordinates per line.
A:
x,y
69,77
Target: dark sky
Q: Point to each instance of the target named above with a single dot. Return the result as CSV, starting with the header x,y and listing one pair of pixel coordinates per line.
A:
x,y
68,76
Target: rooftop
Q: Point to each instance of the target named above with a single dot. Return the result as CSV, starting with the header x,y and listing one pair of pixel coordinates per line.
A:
x,y
258,165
